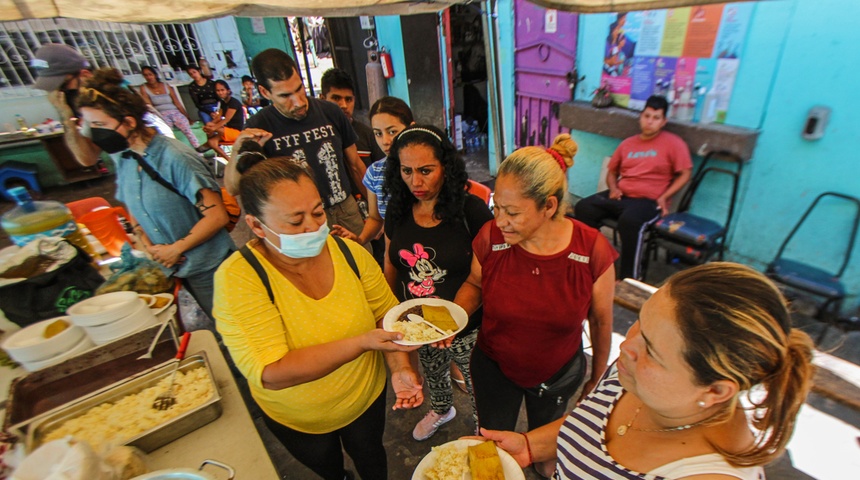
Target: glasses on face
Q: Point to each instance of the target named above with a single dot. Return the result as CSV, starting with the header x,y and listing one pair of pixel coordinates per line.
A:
x,y
92,94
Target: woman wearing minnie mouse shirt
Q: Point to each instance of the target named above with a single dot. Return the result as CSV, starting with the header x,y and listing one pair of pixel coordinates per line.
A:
x,y
430,223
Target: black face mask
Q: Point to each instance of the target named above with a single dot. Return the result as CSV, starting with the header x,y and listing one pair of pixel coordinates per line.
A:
x,y
109,140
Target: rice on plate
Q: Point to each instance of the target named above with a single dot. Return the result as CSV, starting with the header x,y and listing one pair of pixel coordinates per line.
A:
x,y
452,461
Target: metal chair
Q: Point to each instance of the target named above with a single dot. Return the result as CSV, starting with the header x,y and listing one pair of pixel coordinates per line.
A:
x,y
692,238
812,279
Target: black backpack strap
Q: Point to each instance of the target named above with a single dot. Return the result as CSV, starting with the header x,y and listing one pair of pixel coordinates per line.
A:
x,y
346,253
146,167
255,264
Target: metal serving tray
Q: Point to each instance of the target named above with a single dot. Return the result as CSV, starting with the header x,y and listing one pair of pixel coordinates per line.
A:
x,y
151,439
44,390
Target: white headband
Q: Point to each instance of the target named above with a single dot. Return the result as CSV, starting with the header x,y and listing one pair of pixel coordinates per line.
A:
x,y
431,132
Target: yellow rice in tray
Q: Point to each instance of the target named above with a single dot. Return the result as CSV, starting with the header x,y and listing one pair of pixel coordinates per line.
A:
x,y
111,424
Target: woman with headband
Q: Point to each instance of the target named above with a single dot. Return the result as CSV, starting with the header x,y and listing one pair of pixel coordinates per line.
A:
x,y
539,275
430,223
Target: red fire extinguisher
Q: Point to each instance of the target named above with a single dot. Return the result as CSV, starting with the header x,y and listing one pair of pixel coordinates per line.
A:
x,y
387,66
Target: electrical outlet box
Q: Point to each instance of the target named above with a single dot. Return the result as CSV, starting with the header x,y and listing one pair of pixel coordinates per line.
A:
x,y
816,122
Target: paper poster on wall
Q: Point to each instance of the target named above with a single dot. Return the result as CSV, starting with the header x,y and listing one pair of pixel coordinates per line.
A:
x,y
258,25
702,33
685,54
675,32
733,30
651,36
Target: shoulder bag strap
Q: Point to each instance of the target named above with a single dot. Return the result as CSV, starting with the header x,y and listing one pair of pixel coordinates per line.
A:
x,y
146,167
255,264
348,254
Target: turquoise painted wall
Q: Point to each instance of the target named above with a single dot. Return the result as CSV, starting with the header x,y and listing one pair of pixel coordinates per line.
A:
x,y
390,36
276,36
797,55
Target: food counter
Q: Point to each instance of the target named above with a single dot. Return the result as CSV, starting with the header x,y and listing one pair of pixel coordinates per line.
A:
x,y
231,439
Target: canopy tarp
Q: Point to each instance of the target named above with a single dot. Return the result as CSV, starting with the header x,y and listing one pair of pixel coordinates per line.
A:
x,y
601,6
164,11
160,11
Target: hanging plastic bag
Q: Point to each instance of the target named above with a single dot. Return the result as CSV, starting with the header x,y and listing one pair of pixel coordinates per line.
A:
x,y
136,274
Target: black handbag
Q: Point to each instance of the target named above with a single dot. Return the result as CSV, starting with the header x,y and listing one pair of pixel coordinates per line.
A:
x,y
49,294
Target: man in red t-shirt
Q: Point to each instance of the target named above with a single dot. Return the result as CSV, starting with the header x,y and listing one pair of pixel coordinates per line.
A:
x,y
644,173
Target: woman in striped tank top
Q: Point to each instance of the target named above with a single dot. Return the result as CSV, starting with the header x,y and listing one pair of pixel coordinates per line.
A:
x,y
670,407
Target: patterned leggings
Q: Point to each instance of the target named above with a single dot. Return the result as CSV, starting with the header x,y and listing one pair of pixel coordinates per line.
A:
x,y
436,361
180,121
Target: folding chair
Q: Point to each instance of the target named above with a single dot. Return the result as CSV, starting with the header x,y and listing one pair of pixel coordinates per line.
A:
x,y
693,238
480,190
812,279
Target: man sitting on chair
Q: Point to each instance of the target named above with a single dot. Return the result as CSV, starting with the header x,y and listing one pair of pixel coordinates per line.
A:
x,y
644,173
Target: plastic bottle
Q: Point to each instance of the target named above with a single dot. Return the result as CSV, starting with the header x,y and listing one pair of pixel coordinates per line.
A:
x,y
31,220
709,111
22,124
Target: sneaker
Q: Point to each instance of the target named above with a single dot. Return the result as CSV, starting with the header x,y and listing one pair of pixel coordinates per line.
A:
x,y
430,423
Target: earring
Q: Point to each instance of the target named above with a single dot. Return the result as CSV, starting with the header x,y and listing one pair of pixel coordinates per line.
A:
x,y
701,403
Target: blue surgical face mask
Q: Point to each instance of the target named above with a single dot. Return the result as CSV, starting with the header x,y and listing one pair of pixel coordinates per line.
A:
x,y
300,245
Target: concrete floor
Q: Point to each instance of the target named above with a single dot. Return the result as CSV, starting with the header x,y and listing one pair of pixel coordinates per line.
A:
x,y
404,453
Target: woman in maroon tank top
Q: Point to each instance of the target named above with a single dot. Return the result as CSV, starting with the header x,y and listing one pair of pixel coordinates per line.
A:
x,y
539,275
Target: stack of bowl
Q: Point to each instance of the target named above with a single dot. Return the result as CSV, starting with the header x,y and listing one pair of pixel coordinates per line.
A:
x,y
111,316
47,343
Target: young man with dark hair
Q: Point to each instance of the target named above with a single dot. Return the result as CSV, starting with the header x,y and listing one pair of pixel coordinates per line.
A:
x,y
314,133
644,173
338,88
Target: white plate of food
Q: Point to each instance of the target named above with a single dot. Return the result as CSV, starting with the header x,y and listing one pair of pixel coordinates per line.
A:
x,y
446,316
451,461
157,303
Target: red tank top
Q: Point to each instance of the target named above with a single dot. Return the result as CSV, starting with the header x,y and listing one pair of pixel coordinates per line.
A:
x,y
534,305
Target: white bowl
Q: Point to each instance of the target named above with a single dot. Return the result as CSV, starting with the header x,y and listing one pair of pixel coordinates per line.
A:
x,y
85,344
29,344
141,317
103,309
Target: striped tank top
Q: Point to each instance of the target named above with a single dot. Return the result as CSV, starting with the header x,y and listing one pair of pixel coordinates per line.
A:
x,y
582,450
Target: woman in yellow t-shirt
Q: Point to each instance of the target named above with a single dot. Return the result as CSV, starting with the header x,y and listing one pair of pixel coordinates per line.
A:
x,y
311,347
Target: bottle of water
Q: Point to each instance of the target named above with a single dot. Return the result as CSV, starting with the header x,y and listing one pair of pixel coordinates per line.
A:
x,y
31,220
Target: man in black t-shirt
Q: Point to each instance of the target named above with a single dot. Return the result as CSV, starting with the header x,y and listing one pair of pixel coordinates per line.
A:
x,y
314,133
229,120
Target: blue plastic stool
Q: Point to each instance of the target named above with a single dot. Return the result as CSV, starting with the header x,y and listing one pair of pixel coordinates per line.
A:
x,y
24,172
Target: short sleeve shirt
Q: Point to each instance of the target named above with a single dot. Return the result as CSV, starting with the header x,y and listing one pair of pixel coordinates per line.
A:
x,y
161,213
258,333
646,168
203,95
316,141
238,120
433,262
373,179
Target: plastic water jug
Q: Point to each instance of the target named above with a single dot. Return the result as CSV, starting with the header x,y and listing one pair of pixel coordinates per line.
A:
x,y
31,220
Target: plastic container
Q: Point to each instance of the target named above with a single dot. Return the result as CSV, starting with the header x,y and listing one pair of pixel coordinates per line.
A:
x,y
31,220
105,225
